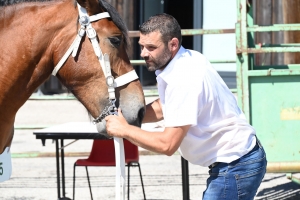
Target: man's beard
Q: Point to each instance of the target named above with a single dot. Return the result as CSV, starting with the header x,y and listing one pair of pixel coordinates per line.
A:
x,y
161,61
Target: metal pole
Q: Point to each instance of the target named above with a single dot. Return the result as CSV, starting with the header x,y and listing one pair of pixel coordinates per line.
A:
x,y
198,24
283,167
185,179
293,178
57,168
62,167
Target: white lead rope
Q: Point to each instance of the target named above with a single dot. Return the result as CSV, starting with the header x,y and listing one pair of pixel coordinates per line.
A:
x,y
120,168
112,83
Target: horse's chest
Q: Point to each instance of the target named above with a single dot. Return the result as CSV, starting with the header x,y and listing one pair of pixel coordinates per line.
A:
x,y
5,165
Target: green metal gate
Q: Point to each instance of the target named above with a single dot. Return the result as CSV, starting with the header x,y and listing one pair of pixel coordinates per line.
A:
x,y
269,94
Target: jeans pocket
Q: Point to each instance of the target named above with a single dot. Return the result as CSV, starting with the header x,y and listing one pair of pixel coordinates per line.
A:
x,y
249,181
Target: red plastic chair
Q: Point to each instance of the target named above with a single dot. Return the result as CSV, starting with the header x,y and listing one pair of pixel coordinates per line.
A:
x,y
103,154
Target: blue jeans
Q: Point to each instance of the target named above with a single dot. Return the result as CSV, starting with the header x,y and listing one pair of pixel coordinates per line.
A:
x,y
238,180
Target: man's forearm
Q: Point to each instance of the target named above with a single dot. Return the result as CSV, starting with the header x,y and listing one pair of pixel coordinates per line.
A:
x,y
153,112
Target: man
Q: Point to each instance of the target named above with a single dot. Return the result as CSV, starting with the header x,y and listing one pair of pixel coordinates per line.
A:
x,y
201,116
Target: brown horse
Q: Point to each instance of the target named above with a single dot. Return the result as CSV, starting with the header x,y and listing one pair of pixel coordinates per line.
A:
x,y
34,36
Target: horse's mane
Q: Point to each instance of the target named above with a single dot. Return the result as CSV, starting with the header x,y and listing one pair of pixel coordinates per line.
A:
x,y
115,16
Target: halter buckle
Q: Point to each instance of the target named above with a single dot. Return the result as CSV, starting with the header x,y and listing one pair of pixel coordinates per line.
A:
x,y
84,20
91,33
110,81
81,31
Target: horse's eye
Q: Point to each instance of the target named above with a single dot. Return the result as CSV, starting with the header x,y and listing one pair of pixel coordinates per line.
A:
x,y
116,41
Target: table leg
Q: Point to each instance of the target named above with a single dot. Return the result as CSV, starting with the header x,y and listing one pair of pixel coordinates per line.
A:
x,y
57,169
63,171
185,179
63,167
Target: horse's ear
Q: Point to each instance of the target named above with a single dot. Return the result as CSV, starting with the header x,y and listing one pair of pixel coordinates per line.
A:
x,y
92,6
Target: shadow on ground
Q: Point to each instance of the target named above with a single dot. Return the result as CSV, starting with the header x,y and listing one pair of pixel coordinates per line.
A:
x,y
286,191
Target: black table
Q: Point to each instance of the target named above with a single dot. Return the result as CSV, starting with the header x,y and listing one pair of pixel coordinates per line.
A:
x,y
85,130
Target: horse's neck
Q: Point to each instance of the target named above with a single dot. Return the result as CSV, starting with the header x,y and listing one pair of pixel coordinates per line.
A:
x,y
29,33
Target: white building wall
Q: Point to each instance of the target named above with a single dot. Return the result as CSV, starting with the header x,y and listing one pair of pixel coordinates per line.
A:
x,y
220,14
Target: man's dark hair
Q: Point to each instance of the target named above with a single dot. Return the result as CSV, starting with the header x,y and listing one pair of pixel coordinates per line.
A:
x,y
166,24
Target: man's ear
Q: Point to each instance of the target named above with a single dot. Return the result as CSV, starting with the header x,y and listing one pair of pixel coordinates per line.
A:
x,y
174,44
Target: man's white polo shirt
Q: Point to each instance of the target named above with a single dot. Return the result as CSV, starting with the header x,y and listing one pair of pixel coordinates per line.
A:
x,y
193,93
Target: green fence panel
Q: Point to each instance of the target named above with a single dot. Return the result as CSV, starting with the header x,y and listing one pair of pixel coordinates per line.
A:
x,y
275,114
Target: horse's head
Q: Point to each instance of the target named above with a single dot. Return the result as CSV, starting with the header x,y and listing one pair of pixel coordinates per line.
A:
x,y
89,74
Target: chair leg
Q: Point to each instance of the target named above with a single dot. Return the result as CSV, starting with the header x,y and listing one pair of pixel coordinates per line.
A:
x,y
138,164
87,174
74,181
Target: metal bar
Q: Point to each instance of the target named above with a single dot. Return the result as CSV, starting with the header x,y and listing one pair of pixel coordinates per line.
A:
x,y
186,32
185,179
242,59
149,93
268,50
283,167
255,28
275,27
239,61
273,72
62,167
267,67
189,32
222,61
293,178
278,45
137,62
142,62
57,169
134,33
233,90
198,23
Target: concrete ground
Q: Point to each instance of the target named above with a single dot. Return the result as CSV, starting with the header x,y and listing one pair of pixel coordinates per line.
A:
x,y
34,178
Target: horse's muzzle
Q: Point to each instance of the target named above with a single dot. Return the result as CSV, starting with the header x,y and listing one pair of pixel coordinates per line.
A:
x,y
135,121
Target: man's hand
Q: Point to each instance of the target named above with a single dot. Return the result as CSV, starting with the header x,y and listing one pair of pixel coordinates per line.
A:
x,y
116,125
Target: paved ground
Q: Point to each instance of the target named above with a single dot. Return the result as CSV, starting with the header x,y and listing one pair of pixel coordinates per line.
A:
x,y
35,178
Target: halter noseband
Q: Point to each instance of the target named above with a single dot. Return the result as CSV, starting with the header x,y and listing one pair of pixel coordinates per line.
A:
x,y
86,27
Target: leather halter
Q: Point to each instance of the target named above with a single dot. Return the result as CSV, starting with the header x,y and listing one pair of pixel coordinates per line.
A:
x,y
86,27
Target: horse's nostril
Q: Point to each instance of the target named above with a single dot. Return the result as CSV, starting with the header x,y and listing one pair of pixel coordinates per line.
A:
x,y
141,115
